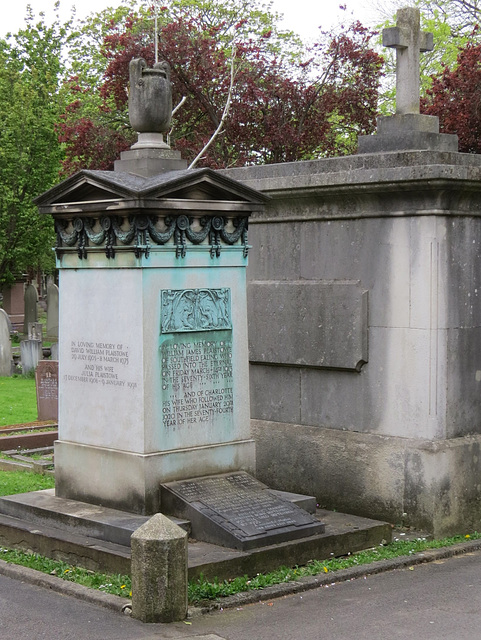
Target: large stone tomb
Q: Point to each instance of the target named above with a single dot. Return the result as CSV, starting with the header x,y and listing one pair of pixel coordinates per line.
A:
x,y
235,510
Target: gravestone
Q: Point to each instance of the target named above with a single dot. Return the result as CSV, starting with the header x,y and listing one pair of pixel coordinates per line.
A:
x,y
13,304
52,312
5,346
30,354
46,380
31,310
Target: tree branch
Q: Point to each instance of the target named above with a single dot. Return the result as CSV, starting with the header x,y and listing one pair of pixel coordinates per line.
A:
x,y
225,113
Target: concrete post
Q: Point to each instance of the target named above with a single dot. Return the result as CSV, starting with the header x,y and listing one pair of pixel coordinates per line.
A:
x,y
159,571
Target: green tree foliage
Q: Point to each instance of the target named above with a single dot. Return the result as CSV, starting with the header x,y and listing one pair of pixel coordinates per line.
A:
x,y
455,97
30,155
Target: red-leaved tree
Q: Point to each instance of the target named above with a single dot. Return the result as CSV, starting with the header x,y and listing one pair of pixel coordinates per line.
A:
x,y
455,97
283,108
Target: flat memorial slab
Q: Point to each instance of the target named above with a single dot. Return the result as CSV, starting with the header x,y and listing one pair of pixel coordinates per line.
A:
x,y
237,511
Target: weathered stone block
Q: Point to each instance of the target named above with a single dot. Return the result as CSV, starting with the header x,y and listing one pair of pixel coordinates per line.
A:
x,y
317,324
30,354
159,571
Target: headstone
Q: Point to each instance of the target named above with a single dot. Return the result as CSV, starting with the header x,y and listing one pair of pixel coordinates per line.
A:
x,y
237,511
35,331
52,312
31,311
13,304
30,354
159,571
5,346
46,379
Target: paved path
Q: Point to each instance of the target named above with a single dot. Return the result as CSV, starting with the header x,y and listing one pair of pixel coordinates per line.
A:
x,y
436,601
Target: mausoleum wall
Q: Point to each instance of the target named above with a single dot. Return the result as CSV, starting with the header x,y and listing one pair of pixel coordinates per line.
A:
x,y
364,333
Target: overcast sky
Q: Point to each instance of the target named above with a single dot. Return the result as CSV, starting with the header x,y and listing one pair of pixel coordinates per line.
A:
x,y
302,16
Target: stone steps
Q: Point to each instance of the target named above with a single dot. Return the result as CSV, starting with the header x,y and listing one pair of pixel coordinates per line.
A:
x,y
77,532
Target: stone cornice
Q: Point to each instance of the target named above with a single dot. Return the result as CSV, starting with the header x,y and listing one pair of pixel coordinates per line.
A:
x,y
366,186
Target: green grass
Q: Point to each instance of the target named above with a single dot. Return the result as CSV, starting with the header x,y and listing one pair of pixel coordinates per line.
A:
x,y
108,583
22,481
18,402
201,590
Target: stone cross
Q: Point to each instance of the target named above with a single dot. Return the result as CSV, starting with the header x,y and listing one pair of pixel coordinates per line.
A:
x,y
408,40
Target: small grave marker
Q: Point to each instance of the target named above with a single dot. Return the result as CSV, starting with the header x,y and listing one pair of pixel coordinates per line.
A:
x,y
46,379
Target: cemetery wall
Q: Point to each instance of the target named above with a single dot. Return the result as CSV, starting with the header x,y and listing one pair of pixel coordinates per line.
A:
x,y
365,334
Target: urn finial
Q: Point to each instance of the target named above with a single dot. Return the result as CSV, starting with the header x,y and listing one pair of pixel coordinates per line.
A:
x,y
150,102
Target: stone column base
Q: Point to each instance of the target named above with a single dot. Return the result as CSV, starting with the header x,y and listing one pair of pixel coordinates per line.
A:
x,y
131,481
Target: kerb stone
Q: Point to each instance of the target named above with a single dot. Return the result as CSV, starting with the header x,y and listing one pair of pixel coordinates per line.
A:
x,y
159,571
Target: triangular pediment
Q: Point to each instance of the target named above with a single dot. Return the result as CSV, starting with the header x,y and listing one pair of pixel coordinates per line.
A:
x,y
82,187
191,184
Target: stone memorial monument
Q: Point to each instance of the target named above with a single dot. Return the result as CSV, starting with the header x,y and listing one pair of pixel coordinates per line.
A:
x,y
153,382
5,346
35,331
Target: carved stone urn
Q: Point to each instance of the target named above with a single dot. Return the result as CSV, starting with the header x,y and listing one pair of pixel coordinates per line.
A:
x,y
150,101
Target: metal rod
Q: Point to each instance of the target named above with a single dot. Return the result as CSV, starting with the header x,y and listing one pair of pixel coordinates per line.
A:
x,y
156,32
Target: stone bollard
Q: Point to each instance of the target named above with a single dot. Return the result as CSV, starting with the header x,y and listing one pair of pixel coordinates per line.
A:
x,y
159,571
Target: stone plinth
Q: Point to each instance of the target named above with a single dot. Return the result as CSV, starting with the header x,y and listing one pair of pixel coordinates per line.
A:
x,y
408,132
149,161
154,378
